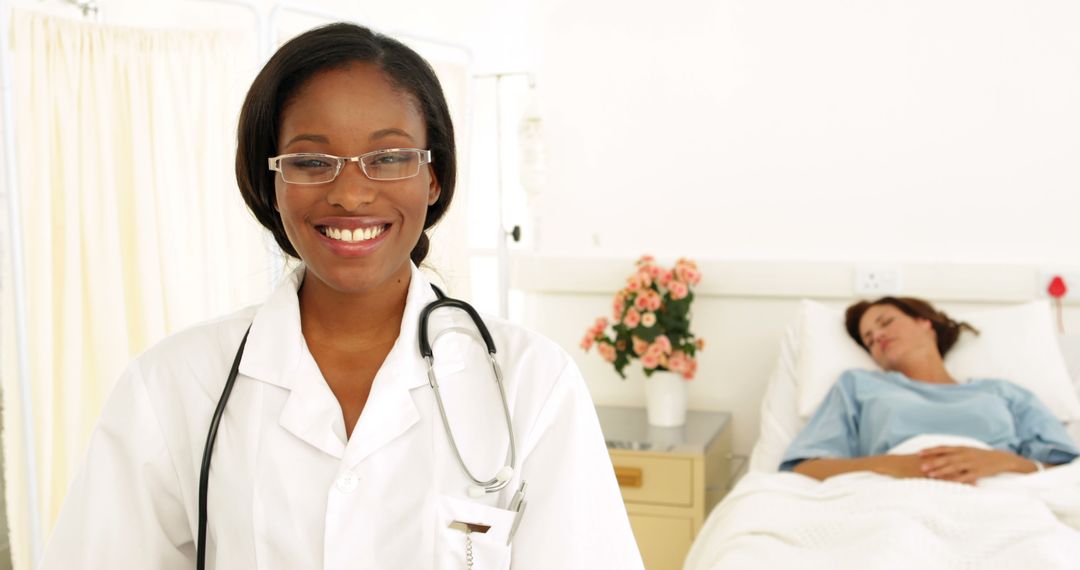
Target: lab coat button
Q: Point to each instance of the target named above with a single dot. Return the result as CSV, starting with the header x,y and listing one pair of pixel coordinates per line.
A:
x,y
348,482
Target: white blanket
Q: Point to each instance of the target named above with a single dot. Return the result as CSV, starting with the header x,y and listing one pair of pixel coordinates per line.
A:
x,y
868,521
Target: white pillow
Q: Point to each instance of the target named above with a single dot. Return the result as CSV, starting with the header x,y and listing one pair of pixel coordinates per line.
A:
x,y
1017,344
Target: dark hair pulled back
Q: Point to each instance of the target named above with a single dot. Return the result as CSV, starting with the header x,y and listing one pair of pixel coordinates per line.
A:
x,y
947,329
336,46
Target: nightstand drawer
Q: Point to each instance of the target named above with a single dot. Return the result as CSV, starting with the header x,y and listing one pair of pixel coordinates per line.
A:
x,y
663,541
654,480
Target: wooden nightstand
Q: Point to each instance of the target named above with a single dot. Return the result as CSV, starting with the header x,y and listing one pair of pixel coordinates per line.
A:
x,y
670,477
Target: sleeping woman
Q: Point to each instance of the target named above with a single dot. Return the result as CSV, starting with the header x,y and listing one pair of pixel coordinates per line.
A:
x,y
867,413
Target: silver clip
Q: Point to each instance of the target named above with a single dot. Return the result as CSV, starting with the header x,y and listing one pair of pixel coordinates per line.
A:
x,y
469,528
517,505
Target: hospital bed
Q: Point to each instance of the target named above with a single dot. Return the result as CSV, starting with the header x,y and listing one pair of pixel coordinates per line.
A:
x,y
864,520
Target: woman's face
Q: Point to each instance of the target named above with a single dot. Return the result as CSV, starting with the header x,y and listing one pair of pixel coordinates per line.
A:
x,y
349,112
892,336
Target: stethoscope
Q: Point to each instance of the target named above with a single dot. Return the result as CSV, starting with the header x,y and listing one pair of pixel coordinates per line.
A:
x,y
479,487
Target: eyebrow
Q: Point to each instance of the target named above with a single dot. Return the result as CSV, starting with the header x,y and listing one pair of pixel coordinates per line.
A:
x,y
382,133
379,134
313,138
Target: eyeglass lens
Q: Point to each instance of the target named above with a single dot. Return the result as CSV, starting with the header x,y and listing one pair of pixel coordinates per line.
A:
x,y
315,168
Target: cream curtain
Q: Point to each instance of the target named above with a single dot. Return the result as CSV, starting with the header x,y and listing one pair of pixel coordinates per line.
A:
x,y
132,224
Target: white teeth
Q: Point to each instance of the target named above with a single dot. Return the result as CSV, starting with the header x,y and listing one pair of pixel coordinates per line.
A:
x,y
355,235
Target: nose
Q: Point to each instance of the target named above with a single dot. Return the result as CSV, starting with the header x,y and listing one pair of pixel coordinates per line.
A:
x,y
352,188
876,336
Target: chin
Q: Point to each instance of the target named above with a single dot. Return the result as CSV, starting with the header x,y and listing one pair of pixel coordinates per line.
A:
x,y
357,277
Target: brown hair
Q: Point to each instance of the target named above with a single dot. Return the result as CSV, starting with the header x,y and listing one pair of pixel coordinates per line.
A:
x,y
334,47
948,330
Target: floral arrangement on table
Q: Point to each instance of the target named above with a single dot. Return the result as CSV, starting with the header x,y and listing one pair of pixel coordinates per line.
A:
x,y
651,321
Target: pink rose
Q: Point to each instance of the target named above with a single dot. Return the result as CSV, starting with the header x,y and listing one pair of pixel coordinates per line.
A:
x,y
644,278
664,343
645,260
649,361
679,290
683,262
648,319
587,342
632,318
655,301
700,344
665,278
607,352
678,362
642,301
617,310
640,346
691,369
688,274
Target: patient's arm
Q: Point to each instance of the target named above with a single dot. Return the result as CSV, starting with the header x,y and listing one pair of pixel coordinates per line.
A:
x,y
959,464
968,464
901,466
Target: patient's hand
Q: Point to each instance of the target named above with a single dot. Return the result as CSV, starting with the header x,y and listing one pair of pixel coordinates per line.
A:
x,y
900,466
969,464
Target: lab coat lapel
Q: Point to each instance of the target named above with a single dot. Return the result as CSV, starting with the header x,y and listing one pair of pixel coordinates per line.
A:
x,y
312,412
275,342
391,410
277,354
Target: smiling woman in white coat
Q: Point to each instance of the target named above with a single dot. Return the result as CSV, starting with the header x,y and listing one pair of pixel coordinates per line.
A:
x,y
332,452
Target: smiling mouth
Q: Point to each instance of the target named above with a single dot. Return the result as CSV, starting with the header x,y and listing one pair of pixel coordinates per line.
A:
x,y
354,235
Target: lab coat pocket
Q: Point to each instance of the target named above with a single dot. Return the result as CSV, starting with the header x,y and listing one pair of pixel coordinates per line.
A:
x,y
489,548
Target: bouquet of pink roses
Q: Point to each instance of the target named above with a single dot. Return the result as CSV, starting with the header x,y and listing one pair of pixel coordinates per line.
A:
x,y
651,321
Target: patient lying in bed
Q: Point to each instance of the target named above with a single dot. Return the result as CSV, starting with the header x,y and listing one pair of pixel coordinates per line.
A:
x,y
867,414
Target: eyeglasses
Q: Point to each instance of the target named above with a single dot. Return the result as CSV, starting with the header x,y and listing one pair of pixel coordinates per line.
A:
x,y
318,168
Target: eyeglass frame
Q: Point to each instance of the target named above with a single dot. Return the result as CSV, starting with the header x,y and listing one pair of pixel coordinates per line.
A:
x,y
274,162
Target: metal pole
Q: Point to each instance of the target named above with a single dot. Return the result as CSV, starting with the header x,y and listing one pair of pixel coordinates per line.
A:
x,y
18,265
502,253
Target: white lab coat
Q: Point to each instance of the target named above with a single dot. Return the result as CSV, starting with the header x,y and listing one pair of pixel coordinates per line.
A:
x,y
287,491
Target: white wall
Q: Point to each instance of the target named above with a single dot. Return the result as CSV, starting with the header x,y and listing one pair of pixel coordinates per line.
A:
x,y
929,130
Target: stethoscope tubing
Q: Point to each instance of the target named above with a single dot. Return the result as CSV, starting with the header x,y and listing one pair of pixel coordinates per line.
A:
x,y
494,484
208,451
489,486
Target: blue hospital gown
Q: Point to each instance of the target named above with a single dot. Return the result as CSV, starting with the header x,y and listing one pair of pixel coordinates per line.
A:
x,y
869,413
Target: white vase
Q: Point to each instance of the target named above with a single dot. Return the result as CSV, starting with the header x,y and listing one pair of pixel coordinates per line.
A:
x,y
665,399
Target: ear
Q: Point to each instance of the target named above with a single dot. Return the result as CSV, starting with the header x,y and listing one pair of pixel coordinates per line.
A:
x,y
434,190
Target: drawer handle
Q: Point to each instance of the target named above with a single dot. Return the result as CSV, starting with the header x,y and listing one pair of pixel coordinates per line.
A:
x,y
628,476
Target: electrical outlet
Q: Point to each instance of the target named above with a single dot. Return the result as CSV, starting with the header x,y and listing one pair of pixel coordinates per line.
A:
x,y
877,280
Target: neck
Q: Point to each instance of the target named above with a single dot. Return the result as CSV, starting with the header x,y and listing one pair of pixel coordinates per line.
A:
x,y
928,367
355,321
